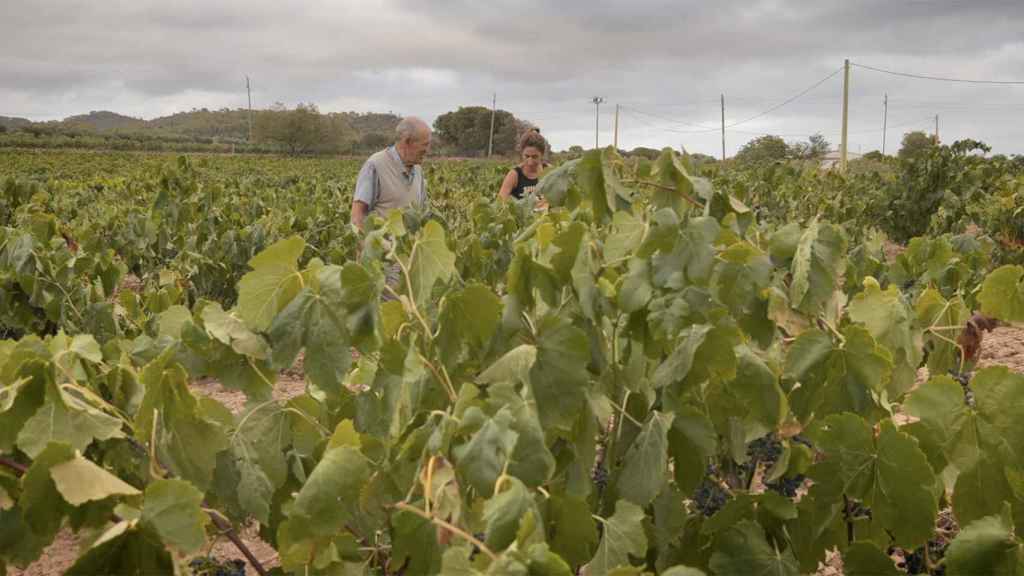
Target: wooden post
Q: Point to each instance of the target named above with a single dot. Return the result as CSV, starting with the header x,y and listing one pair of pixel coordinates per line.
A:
x,y
248,91
597,118
615,139
490,138
723,127
885,119
846,109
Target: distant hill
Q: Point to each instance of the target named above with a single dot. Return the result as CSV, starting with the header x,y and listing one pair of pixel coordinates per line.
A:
x,y
12,123
196,129
202,123
102,121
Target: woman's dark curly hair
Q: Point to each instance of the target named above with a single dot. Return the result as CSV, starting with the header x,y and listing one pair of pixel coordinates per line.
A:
x,y
532,139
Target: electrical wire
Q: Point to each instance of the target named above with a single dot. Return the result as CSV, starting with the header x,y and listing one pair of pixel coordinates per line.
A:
x,y
788,100
940,78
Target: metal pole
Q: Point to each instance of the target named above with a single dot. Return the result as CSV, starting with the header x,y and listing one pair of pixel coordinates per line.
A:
x,y
936,129
846,109
597,117
248,91
490,138
615,139
885,119
723,127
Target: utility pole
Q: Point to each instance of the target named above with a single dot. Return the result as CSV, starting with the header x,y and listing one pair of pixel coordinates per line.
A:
x,y
723,127
490,137
846,109
615,140
885,119
936,129
597,100
248,91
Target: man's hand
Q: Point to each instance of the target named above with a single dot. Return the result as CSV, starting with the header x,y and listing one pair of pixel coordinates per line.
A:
x,y
359,212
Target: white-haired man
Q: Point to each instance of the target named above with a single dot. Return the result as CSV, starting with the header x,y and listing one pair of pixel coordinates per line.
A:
x,y
393,177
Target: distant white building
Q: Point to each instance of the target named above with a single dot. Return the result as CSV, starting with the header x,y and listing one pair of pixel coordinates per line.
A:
x,y
831,159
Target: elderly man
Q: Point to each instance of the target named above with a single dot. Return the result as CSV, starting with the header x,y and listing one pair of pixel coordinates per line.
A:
x,y
393,177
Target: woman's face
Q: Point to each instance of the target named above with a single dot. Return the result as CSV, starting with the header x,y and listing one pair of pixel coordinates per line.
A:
x,y
532,158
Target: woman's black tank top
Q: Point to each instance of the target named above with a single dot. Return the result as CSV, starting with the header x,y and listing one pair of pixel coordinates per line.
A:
x,y
524,184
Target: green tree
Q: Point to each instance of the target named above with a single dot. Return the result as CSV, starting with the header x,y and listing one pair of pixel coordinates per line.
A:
x,y
915,144
763,149
301,130
466,131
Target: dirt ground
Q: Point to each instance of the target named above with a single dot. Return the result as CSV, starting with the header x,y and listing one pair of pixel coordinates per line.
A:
x,y
1003,346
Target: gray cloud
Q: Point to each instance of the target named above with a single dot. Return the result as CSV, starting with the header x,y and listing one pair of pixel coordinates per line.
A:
x,y
667,61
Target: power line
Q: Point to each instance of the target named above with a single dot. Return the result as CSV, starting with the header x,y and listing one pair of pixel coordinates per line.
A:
x,y
788,100
940,78
666,118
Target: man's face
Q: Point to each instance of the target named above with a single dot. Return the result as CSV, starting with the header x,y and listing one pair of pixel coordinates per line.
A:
x,y
416,148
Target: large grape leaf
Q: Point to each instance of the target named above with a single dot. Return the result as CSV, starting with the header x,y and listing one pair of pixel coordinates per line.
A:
x,y
468,320
559,377
481,460
818,263
231,331
691,441
124,549
743,549
692,258
173,509
988,545
330,496
272,283
532,461
626,234
572,529
430,261
934,310
79,481
43,506
850,377
414,545
504,511
887,472
1002,294
309,321
64,418
187,442
623,537
892,323
976,441
644,471
866,559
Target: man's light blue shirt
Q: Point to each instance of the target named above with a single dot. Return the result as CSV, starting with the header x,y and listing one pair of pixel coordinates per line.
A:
x,y
368,185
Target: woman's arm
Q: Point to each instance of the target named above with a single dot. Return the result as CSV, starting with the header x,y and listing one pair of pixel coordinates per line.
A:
x,y
510,181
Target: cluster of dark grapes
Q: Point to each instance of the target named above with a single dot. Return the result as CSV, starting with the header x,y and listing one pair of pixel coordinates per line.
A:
x,y
914,563
786,486
710,496
964,378
210,566
599,476
766,449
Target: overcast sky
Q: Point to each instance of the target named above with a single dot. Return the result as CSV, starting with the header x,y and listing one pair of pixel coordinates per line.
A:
x,y
664,61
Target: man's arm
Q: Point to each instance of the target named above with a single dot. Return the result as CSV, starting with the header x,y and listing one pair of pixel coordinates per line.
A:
x,y
365,196
359,212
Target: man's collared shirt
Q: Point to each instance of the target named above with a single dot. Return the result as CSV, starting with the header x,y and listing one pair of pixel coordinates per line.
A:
x,y
368,182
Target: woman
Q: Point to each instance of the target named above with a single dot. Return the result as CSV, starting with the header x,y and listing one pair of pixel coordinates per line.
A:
x,y
520,181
